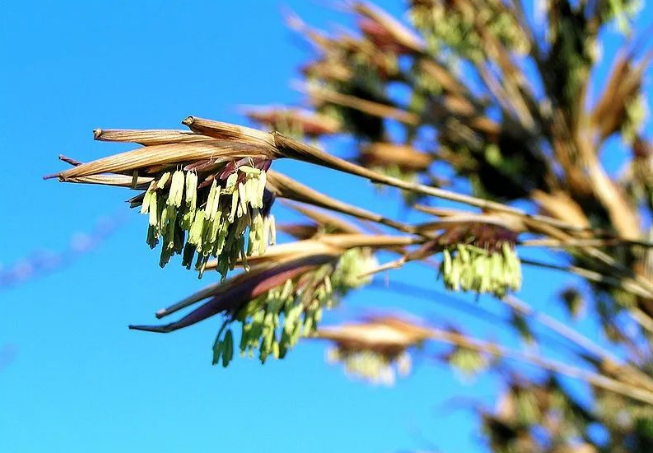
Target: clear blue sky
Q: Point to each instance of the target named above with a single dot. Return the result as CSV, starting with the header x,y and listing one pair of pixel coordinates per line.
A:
x,y
79,380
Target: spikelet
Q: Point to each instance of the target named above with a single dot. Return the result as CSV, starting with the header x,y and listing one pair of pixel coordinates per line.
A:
x,y
273,323
470,268
371,366
480,257
223,221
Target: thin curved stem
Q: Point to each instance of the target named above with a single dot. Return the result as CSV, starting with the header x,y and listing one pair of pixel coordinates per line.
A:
x,y
595,379
572,335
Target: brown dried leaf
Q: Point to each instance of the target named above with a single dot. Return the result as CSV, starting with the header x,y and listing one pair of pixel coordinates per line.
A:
x,y
232,293
149,137
113,180
403,156
291,250
376,333
623,85
175,153
310,123
231,132
561,206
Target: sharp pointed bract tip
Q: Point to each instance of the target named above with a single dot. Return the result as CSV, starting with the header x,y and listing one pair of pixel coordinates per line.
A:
x,y
155,329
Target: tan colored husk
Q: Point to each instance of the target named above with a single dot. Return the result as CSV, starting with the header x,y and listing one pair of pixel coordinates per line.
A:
x,y
376,333
442,75
471,218
163,154
327,243
454,217
625,82
389,153
112,180
290,250
450,105
149,137
231,132
561,206
365,106
330,70
348,241
365,336
313,121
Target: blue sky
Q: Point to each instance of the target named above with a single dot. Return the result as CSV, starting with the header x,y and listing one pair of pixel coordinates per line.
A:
x,y
79,380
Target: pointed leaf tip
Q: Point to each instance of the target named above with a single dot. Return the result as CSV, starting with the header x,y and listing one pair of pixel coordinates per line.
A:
x,y
155,329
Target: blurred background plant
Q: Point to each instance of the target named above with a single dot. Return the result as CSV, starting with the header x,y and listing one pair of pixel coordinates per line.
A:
x,y
468,102
504,105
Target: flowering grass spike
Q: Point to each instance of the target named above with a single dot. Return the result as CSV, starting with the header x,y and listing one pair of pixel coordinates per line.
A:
x,y
273,322
226,220
480,258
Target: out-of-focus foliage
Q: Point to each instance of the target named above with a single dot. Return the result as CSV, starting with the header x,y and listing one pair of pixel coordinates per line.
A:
x,y
512,134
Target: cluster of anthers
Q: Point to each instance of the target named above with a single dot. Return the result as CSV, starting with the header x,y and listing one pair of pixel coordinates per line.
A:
x,y
226,218
377,349
467,267
468,362
481,260
204,190
371,366
273,322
